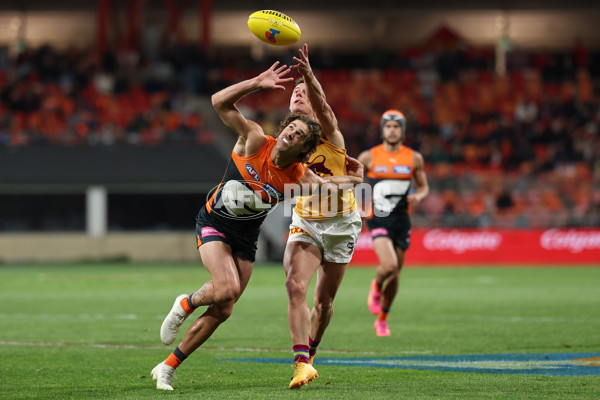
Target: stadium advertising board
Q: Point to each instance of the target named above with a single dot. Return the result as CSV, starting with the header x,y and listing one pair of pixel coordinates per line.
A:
x,y
478,246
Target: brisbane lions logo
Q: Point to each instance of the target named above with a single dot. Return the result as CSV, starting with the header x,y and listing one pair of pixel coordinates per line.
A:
x,y
317,165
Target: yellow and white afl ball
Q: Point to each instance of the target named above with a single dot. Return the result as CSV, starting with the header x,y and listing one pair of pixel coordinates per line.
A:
x,y
274,28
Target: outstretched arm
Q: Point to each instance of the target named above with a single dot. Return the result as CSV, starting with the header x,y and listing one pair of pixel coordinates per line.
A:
x,y
317,99
224,101
312,182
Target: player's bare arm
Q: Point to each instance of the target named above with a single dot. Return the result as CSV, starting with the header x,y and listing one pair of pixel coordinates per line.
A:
x,y
318,101
251,135
366,158
313,183
420,180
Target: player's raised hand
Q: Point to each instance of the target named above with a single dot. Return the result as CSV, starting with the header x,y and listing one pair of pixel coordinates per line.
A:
x,y
303,64
274,77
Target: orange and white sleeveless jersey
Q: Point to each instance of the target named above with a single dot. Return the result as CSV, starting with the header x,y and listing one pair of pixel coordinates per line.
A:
x,y
390,176
251,187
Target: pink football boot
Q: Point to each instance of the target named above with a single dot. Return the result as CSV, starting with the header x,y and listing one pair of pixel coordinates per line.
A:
x,y
374,300
381,328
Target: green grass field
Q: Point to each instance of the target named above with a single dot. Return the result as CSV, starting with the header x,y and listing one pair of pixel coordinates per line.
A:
x,y
91,331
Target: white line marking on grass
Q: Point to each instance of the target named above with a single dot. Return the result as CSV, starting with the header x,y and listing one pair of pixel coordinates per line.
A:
x,y
245,349
73,344
85,317
517,318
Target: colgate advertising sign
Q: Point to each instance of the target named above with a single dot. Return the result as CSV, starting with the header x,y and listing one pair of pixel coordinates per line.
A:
x,y
572,241
459,242
472,246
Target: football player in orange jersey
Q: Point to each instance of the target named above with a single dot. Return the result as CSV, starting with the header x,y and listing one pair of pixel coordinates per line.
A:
x,y
227,227
391,167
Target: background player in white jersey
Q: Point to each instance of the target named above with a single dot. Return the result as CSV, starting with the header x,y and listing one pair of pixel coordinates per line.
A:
x,y
391,167
323,231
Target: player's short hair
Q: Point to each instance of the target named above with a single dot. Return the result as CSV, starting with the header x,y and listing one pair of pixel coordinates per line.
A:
x,y
314,133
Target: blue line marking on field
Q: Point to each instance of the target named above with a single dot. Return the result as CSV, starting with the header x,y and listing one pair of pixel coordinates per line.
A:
x,y
558,364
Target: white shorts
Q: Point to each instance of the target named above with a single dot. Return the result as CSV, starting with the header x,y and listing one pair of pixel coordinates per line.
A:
x,y
335,236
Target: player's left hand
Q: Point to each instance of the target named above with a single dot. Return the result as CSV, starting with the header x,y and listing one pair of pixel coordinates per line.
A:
x,y
354,167
303,65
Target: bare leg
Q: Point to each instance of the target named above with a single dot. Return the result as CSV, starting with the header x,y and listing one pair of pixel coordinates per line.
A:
x,y
301,260
226,285
329,278
230,277
390,287
204,327
205,295
388,259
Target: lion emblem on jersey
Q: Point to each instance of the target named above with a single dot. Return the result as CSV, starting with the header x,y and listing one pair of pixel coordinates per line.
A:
x,y
317,165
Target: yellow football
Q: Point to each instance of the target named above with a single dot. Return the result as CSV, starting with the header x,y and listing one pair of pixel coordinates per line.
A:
x,y
274,28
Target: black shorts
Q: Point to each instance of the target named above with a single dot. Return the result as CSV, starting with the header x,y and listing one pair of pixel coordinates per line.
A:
x,y
242,242
395,227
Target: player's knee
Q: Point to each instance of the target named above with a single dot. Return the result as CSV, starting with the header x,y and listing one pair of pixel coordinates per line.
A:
x,y
227,293
295,287
390,267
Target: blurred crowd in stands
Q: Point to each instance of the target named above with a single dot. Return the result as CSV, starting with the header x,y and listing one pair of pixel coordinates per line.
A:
x,y
73,97
515,150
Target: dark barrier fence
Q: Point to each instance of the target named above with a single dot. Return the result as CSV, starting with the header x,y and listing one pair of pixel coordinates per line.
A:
x,y
111,165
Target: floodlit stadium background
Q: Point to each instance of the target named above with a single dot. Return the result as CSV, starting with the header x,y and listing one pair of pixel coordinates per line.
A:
x,y
109,145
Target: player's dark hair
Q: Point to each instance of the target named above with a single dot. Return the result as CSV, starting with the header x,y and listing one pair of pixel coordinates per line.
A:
x,y
314,133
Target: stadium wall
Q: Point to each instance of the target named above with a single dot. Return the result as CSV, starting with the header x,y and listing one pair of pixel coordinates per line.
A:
x,y
76,247
124,165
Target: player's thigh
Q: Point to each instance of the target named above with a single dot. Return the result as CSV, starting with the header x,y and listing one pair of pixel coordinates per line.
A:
x,y
386,251
219,262
244,267
301,260
400,253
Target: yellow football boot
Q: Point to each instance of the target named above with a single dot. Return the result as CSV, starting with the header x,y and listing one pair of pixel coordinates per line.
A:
x,y
303,375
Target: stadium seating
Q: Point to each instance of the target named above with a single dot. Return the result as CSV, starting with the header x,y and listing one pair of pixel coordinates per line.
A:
x,y
519,150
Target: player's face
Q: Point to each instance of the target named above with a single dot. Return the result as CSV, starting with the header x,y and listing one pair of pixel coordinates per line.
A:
x,y
293,137
299,102
392,132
